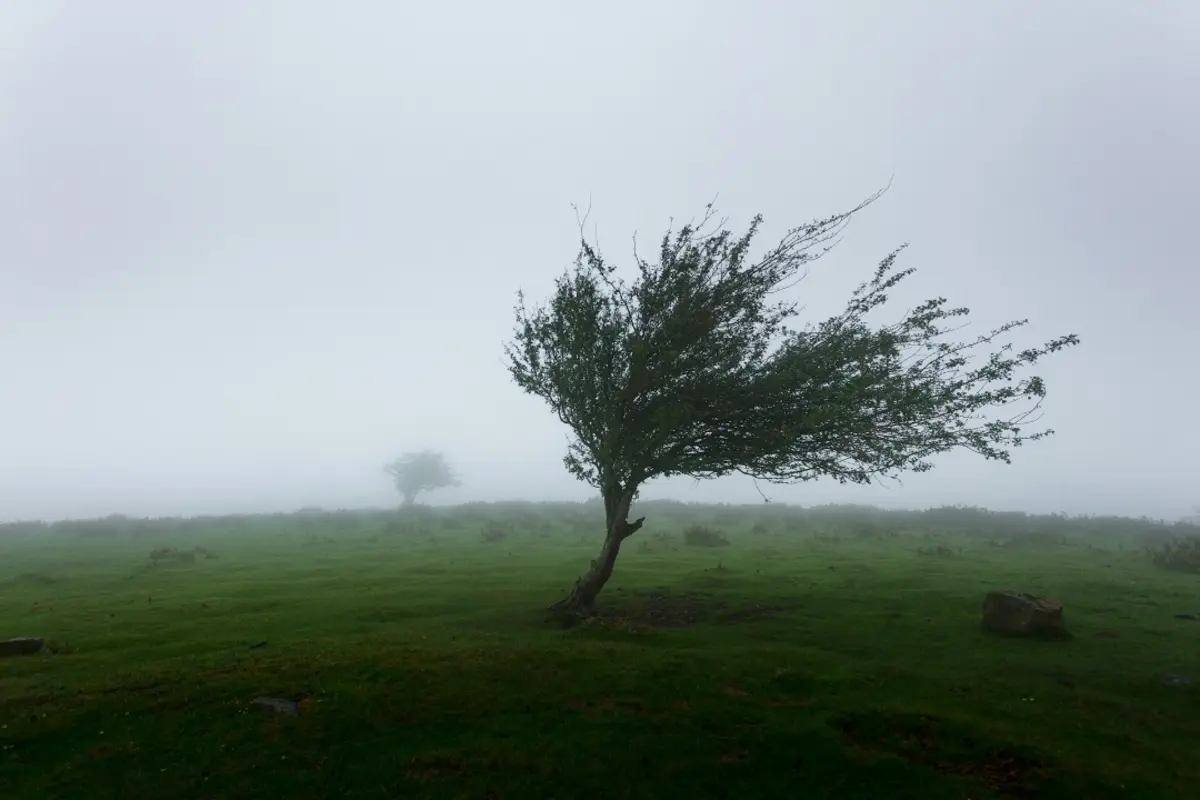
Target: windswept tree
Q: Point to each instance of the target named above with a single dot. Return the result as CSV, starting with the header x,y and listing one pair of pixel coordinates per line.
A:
x,y
414,473
692,369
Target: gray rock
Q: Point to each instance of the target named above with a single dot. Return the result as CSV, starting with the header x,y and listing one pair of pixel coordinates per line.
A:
x,y
1176,679
1023,614
277,704
23,646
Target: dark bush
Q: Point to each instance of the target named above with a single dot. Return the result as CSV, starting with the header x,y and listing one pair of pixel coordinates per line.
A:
x,y
700,536
1179,555
496,531
657,542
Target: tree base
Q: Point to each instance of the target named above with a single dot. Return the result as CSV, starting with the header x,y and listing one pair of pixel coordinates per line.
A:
x,y
567,617
579,604
575,605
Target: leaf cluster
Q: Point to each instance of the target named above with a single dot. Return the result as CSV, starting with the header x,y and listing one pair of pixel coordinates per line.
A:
x,y
693,368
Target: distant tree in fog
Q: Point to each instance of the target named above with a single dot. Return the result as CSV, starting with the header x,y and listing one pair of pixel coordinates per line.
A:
x,y
414,473
692,370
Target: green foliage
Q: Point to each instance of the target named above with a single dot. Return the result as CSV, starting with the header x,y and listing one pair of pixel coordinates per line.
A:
x,y
701,536
1177,555
414,473
692,369
566,518
761,527
495,531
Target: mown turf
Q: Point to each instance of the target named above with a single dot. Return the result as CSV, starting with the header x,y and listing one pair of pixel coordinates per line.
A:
x,y
801,660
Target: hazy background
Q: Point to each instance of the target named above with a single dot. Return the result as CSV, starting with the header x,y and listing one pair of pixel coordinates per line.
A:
x,y
251,251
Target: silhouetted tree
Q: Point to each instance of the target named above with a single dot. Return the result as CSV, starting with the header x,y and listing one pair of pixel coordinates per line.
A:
x,y
692,370
414,473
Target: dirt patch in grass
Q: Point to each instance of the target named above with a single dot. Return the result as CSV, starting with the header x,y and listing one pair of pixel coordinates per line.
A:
x,y
661,608
946,747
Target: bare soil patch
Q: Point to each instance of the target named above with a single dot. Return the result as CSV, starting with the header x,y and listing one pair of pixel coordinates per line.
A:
x,y
661,608
944,746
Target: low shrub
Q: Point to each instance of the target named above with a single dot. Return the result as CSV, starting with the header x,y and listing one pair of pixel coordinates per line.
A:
x,y
496,531
701,536
1178,555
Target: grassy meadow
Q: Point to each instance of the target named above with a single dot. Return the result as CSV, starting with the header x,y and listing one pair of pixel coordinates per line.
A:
x,y
810,653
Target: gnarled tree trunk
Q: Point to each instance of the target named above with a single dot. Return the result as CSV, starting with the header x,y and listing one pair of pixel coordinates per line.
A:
x,y
582,598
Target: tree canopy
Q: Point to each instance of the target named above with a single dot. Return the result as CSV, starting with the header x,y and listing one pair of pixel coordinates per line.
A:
x,y
693,368
414,473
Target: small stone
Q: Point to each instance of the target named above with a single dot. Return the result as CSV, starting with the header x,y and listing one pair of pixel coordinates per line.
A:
x,y
1185,616
277,704
1175,679
21,646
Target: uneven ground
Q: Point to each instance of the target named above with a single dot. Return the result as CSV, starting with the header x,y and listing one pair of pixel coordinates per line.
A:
x,y
803,660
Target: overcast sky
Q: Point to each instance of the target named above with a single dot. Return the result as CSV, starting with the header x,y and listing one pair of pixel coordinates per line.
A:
x,y
251,251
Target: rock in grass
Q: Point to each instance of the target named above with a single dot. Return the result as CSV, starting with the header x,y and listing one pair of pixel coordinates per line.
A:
x,y
22,646
276,704
1023,614
1176,679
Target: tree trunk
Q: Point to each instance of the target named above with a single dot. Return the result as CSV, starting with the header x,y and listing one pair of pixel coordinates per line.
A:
x,y
582,598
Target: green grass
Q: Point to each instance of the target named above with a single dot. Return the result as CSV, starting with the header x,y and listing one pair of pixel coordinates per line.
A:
x,y
831,662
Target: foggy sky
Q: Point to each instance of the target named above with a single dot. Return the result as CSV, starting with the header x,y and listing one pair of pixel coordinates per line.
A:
x,y
251,251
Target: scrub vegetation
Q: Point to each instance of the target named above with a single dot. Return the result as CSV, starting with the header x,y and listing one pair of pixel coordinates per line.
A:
x,y
783,652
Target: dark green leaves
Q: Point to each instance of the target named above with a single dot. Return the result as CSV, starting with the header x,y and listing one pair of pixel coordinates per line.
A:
x,y
692,370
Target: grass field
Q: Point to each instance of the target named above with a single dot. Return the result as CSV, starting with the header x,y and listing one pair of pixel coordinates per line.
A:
x,y
822,653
